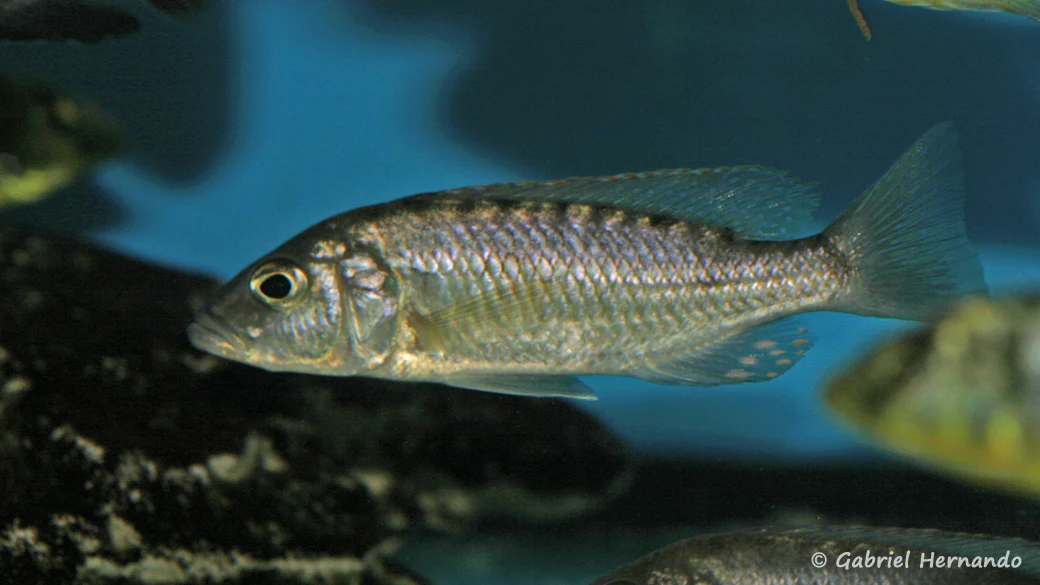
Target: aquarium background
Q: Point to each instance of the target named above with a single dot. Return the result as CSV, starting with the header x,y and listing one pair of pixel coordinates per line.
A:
x,y
254,120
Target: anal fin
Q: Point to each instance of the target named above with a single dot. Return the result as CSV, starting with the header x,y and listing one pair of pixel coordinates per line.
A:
x,y
524,385
758,354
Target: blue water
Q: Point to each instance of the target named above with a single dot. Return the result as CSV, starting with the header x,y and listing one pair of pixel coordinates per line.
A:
x,y
260,118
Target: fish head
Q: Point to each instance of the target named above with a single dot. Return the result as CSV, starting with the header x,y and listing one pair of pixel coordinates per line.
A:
x,y
885,382
329,310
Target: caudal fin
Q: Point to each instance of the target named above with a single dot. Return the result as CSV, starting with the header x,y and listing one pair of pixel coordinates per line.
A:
x,y
905,235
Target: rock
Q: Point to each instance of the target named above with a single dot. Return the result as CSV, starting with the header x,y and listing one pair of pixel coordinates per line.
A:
x,y
126,456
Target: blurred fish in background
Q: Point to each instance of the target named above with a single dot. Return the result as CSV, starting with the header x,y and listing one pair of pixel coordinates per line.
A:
x,y
48,140
962,395
79,20
849,555
1027,8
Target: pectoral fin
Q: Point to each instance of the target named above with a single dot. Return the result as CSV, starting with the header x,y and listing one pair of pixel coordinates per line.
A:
x,y
506,306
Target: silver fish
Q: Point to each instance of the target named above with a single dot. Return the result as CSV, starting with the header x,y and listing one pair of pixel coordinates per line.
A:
x,y
836,556
676,277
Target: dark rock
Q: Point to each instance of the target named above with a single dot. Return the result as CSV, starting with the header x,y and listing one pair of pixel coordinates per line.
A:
x,y
126,456
63,20
76,20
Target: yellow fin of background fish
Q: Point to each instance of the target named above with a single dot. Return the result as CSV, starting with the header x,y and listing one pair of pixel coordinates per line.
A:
x,y
47,141
755,201
33,184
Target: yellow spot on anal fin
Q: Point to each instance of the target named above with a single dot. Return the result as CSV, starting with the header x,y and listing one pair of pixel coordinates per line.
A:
x,y
747,356
1004,435
861,20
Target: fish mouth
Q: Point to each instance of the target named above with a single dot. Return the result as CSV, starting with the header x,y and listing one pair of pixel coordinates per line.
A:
x,y
210,334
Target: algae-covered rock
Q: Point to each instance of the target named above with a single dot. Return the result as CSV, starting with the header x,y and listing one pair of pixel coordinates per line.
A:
x,y
126,456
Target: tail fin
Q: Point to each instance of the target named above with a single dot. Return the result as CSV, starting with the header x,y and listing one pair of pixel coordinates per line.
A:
x,y
905,235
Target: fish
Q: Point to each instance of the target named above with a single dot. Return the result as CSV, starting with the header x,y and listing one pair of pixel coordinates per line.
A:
x,y
1027,8
836,555
85,21
48,140
678,277
961,396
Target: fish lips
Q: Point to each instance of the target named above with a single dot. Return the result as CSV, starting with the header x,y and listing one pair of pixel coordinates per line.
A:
x,y
208,333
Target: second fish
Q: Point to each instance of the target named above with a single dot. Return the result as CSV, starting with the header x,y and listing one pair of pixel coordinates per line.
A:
x,y
677,277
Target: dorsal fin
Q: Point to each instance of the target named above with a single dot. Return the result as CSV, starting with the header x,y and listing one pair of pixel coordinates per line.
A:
x,y
756,202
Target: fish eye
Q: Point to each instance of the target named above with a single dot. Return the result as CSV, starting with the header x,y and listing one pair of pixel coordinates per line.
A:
x,y
278,283
276,286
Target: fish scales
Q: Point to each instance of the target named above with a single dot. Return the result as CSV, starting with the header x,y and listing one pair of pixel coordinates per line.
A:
x,y
681,276
599,273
